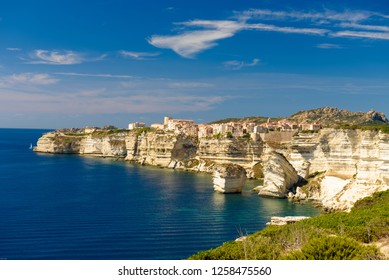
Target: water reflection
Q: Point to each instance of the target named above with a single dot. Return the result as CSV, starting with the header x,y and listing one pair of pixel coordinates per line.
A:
x,y
218,200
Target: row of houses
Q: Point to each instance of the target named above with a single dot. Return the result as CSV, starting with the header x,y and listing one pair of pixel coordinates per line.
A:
x,y
235,129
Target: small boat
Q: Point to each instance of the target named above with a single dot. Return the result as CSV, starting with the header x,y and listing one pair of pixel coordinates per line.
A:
x,y
30,146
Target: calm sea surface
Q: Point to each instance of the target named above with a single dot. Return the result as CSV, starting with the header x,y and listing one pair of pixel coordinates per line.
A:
x,y
73,207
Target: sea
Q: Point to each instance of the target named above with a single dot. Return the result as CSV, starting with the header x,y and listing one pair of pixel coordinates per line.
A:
x,y
71,207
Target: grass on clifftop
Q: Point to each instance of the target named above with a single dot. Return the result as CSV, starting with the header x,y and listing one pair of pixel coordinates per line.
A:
x,y
335,236
382,127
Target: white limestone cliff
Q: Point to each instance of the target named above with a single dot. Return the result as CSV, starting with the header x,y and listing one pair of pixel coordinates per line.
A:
x,y
280,221
279,176
356,163
96,145
229,178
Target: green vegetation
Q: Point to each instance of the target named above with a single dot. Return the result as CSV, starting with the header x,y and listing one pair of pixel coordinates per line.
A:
x,y
328,236
106,132
62,140
77,134
309,131
383,128
311,185
257,170
139,131
217,136
229,135
254,119
191,163
334,248
247,136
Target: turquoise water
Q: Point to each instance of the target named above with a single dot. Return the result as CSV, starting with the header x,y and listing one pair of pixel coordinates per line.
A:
x,y
74,207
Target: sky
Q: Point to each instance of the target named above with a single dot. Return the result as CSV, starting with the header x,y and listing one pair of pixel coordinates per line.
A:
x,y
95,63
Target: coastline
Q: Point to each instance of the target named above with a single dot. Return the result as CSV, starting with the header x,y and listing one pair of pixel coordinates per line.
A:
x,y
351,157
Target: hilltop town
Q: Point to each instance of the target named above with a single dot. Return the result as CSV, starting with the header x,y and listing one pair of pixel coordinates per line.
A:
x,y
228,129
310,120
254,128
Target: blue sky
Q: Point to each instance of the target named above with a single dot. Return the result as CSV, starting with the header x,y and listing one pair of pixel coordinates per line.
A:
x,y
77,63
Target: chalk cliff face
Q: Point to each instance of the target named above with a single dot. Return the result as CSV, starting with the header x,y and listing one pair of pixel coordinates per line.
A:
x,y
356,163
240,151
108,145
157,148
280,176
151,148
229,178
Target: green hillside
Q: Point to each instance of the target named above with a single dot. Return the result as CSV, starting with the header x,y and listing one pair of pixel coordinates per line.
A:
x,y
327,116
326,237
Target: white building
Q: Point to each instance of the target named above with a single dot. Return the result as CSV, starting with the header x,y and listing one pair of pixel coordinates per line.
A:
x,y
135,125
158,126
176,124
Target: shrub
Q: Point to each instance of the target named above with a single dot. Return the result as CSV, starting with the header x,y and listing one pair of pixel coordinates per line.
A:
x,y
257,170
139,131
217,136
332,236
334,248
246,136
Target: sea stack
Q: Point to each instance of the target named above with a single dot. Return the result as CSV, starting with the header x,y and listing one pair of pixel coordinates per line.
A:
x,y
279,176
229,178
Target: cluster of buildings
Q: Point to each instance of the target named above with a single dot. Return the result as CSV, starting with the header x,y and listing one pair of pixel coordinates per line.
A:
x,y
233,129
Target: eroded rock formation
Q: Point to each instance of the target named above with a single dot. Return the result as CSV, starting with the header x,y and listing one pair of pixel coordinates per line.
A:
x,y
157,148
356,163
279,176
229,178
279,221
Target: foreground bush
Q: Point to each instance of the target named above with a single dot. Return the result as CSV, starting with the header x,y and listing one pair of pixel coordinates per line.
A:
x,y
332,236
334,248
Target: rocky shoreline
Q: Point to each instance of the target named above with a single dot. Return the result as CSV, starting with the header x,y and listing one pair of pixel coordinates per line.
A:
x,y
335,167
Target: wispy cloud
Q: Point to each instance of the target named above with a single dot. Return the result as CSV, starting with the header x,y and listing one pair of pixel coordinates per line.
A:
x,y
56,57
139,55
268,27
237,65
190,43
329,46
365,27
100,101
313,16
29,78
189,85
14,49
114,76
199,35
362,34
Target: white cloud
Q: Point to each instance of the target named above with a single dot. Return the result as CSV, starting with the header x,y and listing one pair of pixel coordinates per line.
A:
x,y
114,76
190,43
30,78
98,101
56,58
199,35
237,65
365,27
329,46
287,29
189,85
14,49
362,34
318,17
139,55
